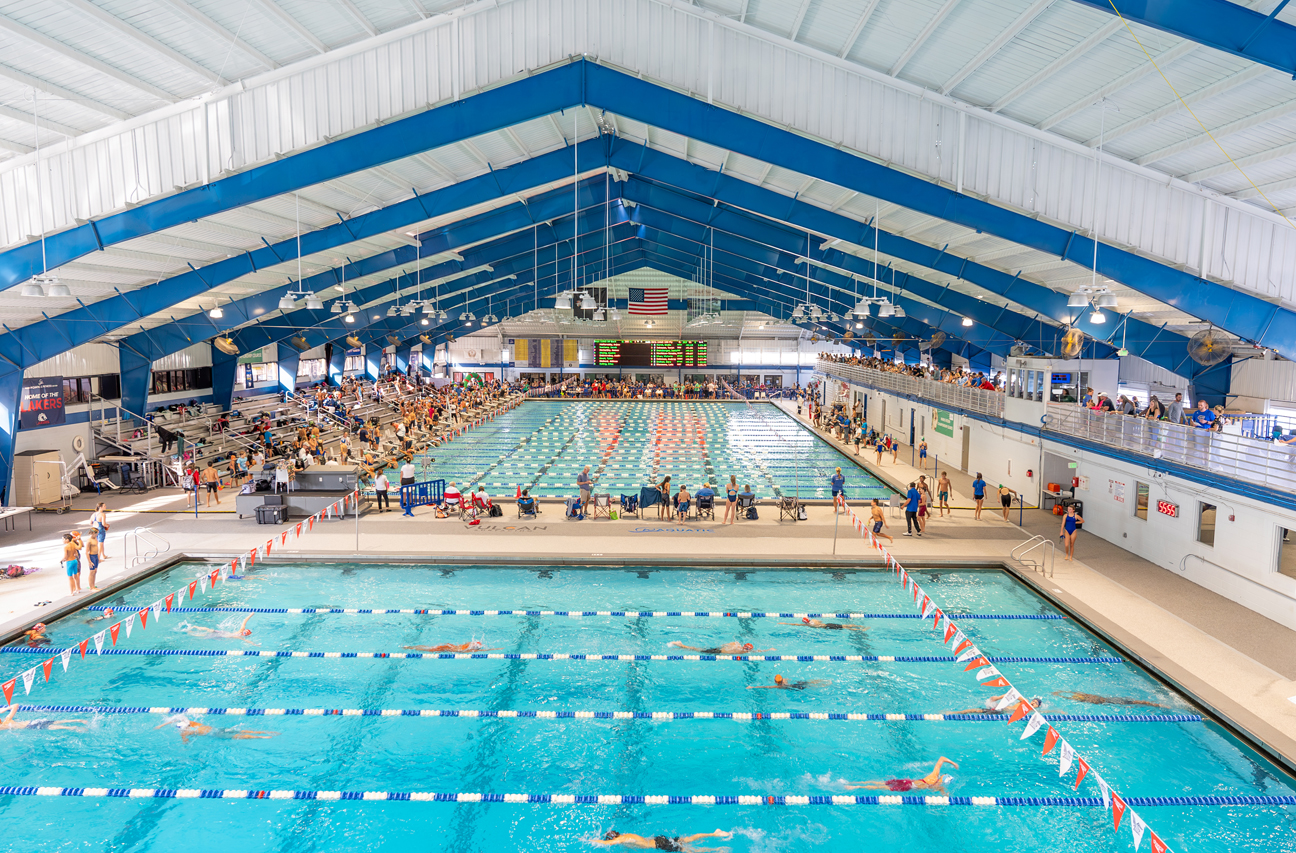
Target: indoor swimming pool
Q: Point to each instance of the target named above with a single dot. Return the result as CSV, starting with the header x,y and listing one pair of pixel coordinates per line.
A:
x,y
517,717
628,444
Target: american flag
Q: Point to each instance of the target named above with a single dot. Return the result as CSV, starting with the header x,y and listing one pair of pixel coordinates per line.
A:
x,y
648,300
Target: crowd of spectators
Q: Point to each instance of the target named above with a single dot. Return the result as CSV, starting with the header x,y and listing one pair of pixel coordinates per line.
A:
x,y
951,376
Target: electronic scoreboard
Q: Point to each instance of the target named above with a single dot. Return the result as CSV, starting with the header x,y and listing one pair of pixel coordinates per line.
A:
x,y
650,353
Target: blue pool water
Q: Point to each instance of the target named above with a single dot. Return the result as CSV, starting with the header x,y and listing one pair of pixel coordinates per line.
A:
x,y
601,756
543,445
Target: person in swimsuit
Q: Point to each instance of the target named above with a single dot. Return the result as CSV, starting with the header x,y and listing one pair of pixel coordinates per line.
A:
x,y
678,843
72,563
36,635
879,521
992,706
1095,699
92,556
12,725
734,648
1070,523
99,521
471,646
780,683
922,453
943,489
731,501
664,506
108,614
1006,496
933,781
204,633
188,728
807,622
878,447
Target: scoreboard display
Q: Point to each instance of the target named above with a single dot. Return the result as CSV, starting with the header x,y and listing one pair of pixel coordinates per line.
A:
x,y
650,353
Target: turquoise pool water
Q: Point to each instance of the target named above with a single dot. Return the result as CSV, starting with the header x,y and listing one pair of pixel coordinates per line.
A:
x,y
543,445
601,756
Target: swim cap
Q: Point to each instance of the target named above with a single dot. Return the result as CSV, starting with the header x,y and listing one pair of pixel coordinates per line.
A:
x,y
108,611
748,647
475,644
610,834
38,626
805,619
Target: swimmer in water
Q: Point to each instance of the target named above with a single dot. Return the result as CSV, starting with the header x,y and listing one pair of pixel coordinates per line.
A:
x,y
734,648
36,635
780,683
10,724
107,614
473,646
992,704
188,728
204,633
679,843
933,781
807,622
1095,699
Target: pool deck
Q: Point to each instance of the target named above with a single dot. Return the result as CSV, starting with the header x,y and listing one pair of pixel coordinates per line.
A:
x,y
1237,662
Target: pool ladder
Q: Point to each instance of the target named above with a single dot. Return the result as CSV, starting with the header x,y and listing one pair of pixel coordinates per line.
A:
x,y
147,545
1037,554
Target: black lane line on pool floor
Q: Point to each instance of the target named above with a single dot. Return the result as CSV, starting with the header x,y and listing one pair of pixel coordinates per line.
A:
x,y
522,442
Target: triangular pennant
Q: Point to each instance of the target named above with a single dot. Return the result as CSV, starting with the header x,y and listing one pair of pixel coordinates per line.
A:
x,y
252,557
961,643
157,610
1066,753
1157,845
99,641
1118,809
937,616
83,645
66,657
988,672
1136,828
8,688
268,544
193,587
925,605
1023,708
1106,791
998,682
113,631
28,677
212,577
299,529
47,666
950,630
129,622
143,615
975,664
1009,698
242,564
170,598
968,654
1050,740
1033,725
311,521
283,538
234,564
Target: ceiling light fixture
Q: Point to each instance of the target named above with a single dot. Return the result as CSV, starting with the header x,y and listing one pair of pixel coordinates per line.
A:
x,y
967,322
216,313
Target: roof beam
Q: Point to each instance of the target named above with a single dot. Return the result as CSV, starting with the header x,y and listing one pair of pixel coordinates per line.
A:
x,y
49,88
1216,89
44,123
57,47
188,12
1132,76
916,44
358,17
797,21
1218,132
1009,33
142,38
1219,24
1240,163
1081,48
869,7
272,9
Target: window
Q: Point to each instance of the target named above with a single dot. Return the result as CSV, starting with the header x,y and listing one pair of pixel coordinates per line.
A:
x,y
76,391
311,368
171,381
353,364
1140,500
109,386
1206,524
266,372
1287,552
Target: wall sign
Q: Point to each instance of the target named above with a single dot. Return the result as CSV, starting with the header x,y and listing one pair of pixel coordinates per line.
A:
x,y
1167,508
42,403
1116,489
943,423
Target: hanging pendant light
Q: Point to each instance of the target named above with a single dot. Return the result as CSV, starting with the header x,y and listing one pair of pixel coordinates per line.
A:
x,y
313,302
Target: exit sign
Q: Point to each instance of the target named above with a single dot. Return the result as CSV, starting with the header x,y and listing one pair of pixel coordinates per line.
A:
x,y
1167,508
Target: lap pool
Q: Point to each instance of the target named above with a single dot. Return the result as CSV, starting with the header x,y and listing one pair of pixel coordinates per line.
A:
x,y
661,721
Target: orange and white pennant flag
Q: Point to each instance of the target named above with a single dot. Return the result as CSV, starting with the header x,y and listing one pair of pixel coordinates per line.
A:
x,y
1136,825
28,677
113,631
1118,809
47,666
66,658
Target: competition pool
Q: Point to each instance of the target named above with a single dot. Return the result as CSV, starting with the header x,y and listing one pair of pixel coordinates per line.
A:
x,y
542,445
372,730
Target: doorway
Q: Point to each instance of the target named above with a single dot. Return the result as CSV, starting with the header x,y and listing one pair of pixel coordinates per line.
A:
x,y
967,444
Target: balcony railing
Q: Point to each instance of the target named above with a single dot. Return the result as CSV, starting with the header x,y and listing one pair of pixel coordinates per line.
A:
x,y
1250,460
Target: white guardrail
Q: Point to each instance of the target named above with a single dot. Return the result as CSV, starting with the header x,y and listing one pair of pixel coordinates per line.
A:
x,y
1251,460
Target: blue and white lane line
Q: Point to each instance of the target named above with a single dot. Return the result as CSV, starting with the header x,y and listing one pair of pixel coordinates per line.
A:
x,y
627,614
737,716
259,653
629,799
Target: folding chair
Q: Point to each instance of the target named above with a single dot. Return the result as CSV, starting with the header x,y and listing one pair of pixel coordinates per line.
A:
x,y
896,504
788,507
681,509
601,505
745,503
629,506
574,509
528,508
706,507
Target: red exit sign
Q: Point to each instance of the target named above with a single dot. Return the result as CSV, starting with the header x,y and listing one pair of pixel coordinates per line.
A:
x,y
1167,508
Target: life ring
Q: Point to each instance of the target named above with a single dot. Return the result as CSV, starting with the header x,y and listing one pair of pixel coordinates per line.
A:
x,y
78,443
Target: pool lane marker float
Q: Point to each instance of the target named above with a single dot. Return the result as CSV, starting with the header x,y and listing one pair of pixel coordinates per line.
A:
x,y
627,799
629,614
736,716
255,653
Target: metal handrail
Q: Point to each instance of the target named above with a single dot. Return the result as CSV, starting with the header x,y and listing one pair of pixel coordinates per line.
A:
x,y
1049,553
957,396
157,544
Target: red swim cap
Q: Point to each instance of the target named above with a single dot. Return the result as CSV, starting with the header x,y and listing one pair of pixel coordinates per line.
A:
x,y
748,647
805,619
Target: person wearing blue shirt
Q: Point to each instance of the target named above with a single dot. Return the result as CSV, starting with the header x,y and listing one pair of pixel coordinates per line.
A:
x,y
838,483
978,493
705,492
1203,420
911,511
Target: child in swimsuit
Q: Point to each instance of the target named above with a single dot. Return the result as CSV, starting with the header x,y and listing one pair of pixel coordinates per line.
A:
x,y
933,781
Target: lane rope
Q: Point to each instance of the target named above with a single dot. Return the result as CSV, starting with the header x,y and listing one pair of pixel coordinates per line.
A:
x,y
630,799
629,614
255,653
737,716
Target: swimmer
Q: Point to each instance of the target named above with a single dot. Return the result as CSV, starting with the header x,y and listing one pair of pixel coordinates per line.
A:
x,y
933,781
36,635
473,646
188,728
807,622
204,633
992,704
1095,699
12,725
107,614
780,683
681,843
734,648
